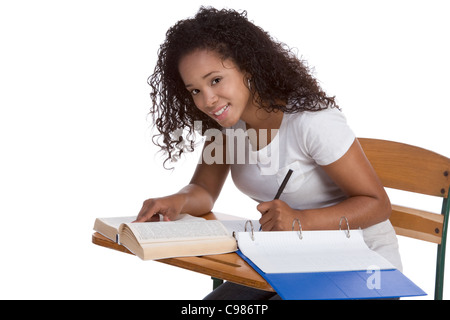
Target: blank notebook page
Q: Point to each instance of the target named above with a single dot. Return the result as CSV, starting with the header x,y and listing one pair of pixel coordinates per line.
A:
x,y
317,251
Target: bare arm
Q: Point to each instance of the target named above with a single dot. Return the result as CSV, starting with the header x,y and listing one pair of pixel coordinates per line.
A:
x,y
197,198
367,202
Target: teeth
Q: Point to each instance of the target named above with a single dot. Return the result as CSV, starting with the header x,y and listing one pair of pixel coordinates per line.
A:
x,y
218,113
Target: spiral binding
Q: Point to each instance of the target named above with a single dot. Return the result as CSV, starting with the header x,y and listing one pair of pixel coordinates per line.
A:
x,y
299,231
348,226
251,225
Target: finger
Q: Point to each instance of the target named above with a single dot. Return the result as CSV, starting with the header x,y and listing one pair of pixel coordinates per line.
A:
x,y
266,221
266,225
263,207
148,212
155,218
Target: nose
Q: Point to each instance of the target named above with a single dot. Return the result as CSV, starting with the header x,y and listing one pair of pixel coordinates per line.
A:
x,y
210,99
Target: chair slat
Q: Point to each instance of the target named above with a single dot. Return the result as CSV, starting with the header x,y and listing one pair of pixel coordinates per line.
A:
x,y
417,224
410,168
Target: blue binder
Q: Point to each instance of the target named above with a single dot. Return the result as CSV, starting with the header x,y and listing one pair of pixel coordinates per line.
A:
x,y
338,285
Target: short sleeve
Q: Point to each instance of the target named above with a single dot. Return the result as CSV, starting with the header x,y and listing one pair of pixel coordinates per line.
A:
x,y
326,136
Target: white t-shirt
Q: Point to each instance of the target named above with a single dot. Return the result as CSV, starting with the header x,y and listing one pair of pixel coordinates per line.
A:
x,y
304,142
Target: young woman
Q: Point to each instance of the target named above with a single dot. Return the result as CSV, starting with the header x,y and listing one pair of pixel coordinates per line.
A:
x,y
224,73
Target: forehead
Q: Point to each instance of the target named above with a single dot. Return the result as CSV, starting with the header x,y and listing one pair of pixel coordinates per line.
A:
x,y
200,62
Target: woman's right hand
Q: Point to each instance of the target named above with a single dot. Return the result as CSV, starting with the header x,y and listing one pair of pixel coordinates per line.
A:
x,y
169,207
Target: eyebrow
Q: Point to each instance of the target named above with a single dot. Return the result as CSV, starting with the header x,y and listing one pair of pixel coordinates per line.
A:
x,y
204,77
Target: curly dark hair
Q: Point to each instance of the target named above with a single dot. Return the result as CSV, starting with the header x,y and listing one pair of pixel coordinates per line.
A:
x,y
277,74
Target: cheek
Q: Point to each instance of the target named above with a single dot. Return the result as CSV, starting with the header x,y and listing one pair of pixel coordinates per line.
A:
x,y
197,101
243,94
237,92
199,105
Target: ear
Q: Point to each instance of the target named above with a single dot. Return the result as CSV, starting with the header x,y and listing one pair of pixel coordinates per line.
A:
x,y
248,81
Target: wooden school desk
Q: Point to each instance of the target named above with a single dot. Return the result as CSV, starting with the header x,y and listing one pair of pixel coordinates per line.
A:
x,y
229,266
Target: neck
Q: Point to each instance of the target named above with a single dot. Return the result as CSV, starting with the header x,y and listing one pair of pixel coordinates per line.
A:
x,y
266,122
257,117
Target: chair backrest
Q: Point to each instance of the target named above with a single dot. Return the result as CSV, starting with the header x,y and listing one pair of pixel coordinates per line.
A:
x,y
414,169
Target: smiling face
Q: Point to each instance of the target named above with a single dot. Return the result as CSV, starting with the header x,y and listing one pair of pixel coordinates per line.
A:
x,y
218,87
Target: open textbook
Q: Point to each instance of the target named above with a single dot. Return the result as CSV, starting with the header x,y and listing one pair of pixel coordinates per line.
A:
x,y
186,236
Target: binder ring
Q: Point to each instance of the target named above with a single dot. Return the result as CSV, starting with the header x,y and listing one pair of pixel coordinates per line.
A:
x,y
300,234
251,225
348,226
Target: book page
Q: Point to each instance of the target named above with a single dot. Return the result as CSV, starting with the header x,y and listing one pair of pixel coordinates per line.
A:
x,y
317,251
177,230
117,221
239,225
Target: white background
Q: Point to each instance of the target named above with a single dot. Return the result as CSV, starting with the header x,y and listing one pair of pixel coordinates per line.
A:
x,y
75,141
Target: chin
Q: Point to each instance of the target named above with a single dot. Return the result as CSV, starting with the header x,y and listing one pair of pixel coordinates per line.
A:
x,y
227,123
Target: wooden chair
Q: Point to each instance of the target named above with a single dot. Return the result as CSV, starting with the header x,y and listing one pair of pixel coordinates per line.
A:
x,y
413,169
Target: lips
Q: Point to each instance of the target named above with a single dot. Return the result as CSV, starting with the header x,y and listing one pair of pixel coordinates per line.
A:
x,y
220,112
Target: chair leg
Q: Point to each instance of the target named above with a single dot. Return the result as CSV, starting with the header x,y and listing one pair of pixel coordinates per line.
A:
x,y
439,281
216,282
440,265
